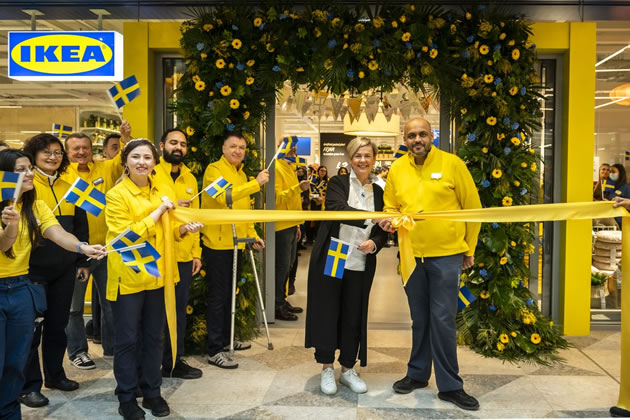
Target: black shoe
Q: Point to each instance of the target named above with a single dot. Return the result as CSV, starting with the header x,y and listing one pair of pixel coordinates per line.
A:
x,y
157,405
33,399
406,385
293,309
130,410
460,399
619,412
63,385
284,315
181,370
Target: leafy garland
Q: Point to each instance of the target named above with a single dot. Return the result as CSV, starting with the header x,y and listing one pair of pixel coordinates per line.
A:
x,y
480,58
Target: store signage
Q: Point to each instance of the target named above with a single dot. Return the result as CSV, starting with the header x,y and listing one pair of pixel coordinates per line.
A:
x,y
67,56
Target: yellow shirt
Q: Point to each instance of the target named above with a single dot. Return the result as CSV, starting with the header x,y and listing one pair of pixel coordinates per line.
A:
x,y
185,187
442,183
103,175
51,192
10,267
129,206
288,191
220,236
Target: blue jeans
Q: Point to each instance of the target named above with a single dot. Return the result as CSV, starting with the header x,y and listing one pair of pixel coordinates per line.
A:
x,y
17,321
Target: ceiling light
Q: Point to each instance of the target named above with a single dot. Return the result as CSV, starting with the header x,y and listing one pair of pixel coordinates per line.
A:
x,y
622,93
616,53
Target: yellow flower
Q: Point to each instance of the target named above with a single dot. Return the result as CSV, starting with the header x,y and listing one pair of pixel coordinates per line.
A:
x,y
238,290
270,48
345,45
507,201
250,63
203,273
480,264
359,27
513,90
500,136
335,21
502,36
516,54
211,93
484,294
190,131
511,42
207,27
535,338
463,111
328,64
373,65
231,65
257,22
361,75
532,151
219,22
534,166
515,141
234,103
453,28
500,346
394,24
378,22
463,276
402,19
433,53
196,78
237,44
513,334
425,49
245,115
406,36
523,164
249,81
468,16
220,63
517,183
551,323
497,173
504,338
193,149
484,49
494,94
254,153
200,85
485,150
226,90
491,121
189,310
203,56
317,32
300,69
488,78
490,62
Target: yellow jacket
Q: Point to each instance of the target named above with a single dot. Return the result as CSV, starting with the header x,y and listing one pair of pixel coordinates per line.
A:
x,y
442,183
129,206
103,175
288,191
185,187
220,236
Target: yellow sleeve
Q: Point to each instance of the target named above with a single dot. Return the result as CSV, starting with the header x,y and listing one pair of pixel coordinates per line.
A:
x,y
45,216
389,195
238,191
117,216
196,249
113,168
468,198
284,192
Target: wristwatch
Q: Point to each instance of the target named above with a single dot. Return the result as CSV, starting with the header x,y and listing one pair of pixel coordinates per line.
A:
x,y
79,247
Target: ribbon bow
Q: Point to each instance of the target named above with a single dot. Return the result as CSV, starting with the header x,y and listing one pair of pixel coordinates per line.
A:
x,y
405,224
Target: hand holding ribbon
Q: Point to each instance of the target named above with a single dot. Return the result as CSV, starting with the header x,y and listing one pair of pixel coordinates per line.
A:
x,y
405,224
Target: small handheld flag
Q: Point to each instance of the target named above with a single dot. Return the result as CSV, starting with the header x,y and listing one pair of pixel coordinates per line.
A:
x,y
285,147
61,131
301,162
218,187
465,297
124,91
402,151
607,187
10,184
83,195
138,259
336,259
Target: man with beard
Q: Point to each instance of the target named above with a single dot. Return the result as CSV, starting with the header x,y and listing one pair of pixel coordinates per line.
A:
x,y
171,170
429,179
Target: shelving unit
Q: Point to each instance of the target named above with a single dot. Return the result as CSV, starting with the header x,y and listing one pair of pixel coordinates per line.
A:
x,y
98,124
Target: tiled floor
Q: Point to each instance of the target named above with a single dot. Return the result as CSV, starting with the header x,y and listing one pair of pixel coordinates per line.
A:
x,y
284,383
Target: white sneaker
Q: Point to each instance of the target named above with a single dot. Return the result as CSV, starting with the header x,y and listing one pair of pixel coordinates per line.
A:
x,y
328,385
351,379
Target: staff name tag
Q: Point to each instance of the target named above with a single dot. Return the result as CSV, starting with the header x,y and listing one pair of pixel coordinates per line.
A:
x,y
98,181
436,175
189,190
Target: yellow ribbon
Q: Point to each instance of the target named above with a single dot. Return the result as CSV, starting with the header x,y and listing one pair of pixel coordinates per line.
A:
x,y
169,285
405,224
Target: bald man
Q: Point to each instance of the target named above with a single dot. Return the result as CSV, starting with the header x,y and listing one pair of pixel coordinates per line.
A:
x,y
429,179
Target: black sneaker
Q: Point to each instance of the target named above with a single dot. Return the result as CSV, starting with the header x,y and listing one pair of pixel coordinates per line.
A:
x,y
406,385
460,399
181,370
157,405
83,361
130,410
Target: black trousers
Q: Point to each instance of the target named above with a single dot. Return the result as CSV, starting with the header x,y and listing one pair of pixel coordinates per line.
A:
x,y
139,325
182,290
219,310
343,320
51,334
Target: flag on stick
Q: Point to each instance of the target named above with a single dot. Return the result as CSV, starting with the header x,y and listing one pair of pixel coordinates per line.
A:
x,y
61,131
465,297
142,258
10,184
336,259
124,91
83,195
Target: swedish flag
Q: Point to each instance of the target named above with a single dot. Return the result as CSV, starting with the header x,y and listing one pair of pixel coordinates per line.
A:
x,y
336,259
83,194
125,91
402,151
218,187
287,144
141,259
61,131
465,297
301,162
9,183
627,155
607,187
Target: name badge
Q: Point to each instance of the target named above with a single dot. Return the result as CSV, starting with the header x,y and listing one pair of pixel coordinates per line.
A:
x,y
436,175
189,190
98,181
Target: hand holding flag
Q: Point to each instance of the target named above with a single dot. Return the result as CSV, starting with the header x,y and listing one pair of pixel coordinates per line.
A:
x,y
215,188
139,256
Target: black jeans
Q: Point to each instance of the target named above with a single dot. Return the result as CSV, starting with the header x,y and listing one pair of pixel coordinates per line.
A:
x,y
182,290
286,242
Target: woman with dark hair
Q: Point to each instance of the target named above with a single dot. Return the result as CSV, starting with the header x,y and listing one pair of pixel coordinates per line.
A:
x,y
343,170
319,183
617,177
55,268
25,223
138,203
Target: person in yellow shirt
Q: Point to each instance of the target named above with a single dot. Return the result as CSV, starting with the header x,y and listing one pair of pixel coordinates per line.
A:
x,y
429,179
218,245
172,171
288,197
137,203
24,224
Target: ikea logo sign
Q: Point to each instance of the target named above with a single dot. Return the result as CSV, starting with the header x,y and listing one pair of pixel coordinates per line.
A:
x,y
66,56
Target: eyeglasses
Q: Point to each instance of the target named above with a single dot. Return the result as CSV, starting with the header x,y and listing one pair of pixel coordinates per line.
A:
x,y
48,153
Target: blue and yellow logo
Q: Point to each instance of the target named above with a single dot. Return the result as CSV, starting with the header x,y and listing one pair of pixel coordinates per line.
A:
x,y
65,55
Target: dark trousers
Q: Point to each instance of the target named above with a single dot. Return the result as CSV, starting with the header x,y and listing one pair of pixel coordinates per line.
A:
x,y
17,316
342,319
286,243
51,333
105,327
96,312
432,292
219,311
139,324
182,290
